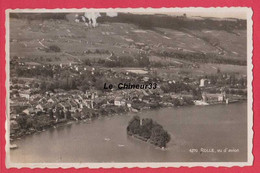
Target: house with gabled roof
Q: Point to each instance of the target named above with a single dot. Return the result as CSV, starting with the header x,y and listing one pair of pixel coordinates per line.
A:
x,y
53,100
40,107
119,101
43,100
25,94
29,111
48,106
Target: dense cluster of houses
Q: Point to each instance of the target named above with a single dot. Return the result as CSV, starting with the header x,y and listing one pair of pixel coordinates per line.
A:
x,y
35,104
75,100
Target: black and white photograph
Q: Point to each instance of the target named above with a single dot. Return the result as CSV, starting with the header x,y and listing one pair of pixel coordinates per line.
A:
x,y
165,87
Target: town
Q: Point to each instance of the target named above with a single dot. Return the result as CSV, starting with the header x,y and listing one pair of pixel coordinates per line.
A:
x,y
79,95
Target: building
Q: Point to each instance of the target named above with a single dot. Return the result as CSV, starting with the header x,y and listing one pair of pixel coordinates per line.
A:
x,y
119,101
25,94
204,97
40,107
146,79
29,111
204,82
222,97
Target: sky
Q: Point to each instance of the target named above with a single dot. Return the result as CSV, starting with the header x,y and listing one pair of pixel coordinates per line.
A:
x,y
206,12
237,15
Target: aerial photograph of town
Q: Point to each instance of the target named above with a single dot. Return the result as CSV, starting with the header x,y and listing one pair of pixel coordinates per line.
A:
x,y
111,86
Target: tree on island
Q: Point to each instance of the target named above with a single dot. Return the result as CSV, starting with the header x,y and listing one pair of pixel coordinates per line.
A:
x,y
159,136
134,125
148,130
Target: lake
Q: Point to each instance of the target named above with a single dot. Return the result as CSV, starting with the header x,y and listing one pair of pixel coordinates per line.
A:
x,y
105,140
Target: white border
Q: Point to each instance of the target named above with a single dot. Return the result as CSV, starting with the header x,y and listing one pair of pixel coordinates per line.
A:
x,y
249,13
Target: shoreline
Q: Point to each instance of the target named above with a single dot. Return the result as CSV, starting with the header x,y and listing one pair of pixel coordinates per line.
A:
x,y
140,138
72,121
62,124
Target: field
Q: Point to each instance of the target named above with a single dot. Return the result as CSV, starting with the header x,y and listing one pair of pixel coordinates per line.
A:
x,y
30,38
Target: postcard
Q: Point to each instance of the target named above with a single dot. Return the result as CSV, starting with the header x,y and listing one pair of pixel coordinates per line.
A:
x,y
129,87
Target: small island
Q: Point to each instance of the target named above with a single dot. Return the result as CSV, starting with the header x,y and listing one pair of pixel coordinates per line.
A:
x,y
148,130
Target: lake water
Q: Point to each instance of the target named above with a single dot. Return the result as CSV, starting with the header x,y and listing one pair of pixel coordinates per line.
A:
x,y
105,139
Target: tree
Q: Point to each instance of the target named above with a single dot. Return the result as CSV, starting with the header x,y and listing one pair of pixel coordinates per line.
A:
x,y
87,62
54,48
50,113
165,87
36,85
50,86
159,136
22,121
29,122
134,125
147,125
143,60
43,85
68,115
61,114
72,83
218,70
196,92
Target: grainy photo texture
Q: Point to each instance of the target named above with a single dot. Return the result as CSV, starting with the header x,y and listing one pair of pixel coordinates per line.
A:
x,y
129,87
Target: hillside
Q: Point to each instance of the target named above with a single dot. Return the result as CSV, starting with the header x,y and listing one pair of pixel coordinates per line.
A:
x,y
29,38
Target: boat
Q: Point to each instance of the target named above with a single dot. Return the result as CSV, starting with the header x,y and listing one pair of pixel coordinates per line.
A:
x,y
13,146
200,103
134,110
107,139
